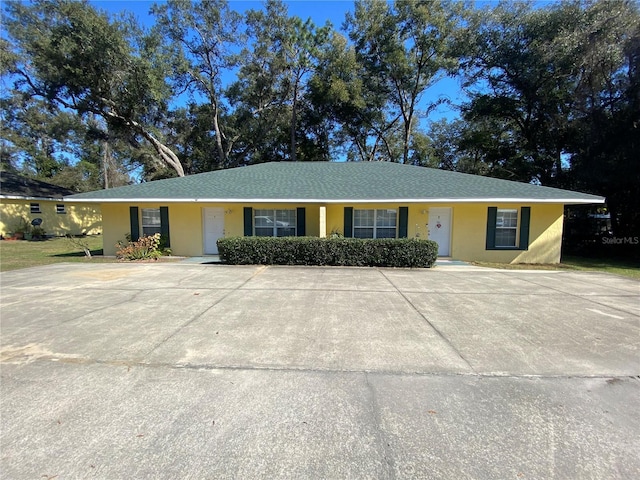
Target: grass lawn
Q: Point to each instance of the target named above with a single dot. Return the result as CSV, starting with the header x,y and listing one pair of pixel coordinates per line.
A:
x,y
626,268
15,254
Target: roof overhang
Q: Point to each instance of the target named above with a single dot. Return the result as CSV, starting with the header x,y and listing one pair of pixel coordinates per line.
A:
x,y
40,199
564,201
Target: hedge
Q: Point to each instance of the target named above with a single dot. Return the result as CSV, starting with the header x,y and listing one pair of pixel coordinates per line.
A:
x,y
328,251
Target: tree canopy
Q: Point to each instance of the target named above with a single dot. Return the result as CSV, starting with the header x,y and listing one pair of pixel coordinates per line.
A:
x,y
551,91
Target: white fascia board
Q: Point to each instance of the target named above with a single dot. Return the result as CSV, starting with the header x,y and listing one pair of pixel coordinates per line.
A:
x,y
40,199
566,201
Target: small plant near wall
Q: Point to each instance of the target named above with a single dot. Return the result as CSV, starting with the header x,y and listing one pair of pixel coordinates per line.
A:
x,y
38,233
145,248
21,228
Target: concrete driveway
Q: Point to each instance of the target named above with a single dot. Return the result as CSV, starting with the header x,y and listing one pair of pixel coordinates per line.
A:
x,y
172,371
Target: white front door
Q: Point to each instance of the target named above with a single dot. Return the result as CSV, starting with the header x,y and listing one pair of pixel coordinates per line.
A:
x,y
440,229
213,220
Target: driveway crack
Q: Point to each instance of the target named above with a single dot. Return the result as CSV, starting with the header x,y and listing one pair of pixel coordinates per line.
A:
x,y
377,421
198,316
435,329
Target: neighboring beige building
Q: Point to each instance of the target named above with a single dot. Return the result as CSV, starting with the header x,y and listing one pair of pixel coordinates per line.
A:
x,y
25,199
471,218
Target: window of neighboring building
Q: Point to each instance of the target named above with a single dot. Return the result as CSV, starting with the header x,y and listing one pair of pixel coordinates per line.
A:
x,y
375,223
35,208
151,223
275,223
60,208
506,228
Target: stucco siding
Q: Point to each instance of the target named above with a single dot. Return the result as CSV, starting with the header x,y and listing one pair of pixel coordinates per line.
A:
x,y
468,227
78,219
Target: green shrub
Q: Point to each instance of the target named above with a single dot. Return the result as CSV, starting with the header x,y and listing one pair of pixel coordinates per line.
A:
x,y
328,251
145,248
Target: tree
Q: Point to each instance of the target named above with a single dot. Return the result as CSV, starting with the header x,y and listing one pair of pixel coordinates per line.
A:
x,y
351,102
483,147
269,94
605,125
514,80
561,85
404,50
201,37
77,58
40,138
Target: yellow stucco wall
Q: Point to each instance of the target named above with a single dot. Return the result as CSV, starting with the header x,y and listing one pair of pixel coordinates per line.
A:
x,y
185,223
80,218
470,226
468,229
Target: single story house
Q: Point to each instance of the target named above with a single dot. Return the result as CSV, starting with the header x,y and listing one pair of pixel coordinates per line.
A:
x,y
24,199
469,216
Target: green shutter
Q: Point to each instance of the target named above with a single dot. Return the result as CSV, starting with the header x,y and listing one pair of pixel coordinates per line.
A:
x,y
164,225
135,223
248,221
492,215
348,222
403,222
301,227
525,219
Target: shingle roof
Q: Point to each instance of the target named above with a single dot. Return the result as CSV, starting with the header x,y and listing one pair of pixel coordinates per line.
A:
x,y
331,182
17,186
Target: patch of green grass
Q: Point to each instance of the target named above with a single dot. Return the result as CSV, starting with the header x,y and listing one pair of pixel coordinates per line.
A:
x,y
16,254
627,268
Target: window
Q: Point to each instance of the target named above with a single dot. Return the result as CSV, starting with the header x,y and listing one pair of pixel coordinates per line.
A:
x,y
151,223
60,208
35,208
374,223
506,228
275,223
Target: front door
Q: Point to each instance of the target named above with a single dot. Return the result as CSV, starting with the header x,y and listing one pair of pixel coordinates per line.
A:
x,y
440,229
213,219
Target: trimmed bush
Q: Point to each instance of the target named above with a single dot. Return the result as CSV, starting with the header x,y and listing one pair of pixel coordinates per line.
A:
x,y
328,251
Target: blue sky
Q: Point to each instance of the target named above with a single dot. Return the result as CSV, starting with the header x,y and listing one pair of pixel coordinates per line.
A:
x,y
320,11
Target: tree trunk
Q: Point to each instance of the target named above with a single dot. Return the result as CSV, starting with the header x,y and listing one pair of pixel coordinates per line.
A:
x,y
105,163
407,139
165,153
216,127
293,121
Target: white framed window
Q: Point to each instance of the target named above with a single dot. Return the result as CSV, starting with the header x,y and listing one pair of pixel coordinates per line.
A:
x,y
274,223
506,228
150,221
61,208
35,208
380,223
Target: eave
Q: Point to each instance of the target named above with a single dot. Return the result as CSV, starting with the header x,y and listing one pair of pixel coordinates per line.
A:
x,y
564,201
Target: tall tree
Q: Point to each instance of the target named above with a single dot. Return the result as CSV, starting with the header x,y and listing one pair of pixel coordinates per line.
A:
x,y
605,123
351,102
202,37
40,137
78,58
405,49
514,80
271,86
